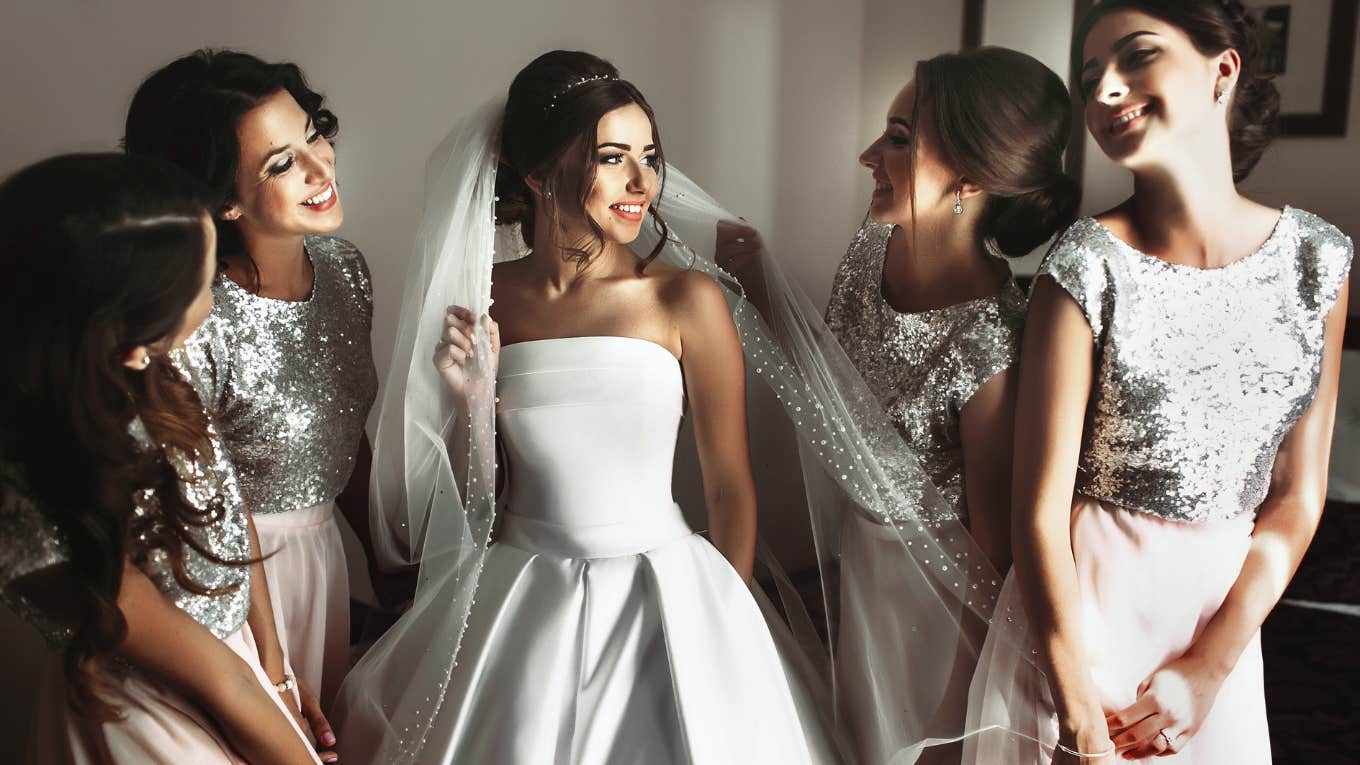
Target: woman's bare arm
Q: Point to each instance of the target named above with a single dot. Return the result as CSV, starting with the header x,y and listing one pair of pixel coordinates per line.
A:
x,y
1056,373
715,380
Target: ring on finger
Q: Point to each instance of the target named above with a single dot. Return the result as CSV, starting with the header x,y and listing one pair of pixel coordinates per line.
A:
x,y
1165,738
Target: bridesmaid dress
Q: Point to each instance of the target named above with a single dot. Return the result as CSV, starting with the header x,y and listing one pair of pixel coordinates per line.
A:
x,y
1199,374
291,384
923,368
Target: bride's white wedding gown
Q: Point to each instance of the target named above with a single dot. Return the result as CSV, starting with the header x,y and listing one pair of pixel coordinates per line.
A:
x,y
604,629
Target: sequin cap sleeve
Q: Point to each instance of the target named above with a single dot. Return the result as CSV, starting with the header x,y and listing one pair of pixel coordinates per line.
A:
x,y
208,351
1324,260
1078,263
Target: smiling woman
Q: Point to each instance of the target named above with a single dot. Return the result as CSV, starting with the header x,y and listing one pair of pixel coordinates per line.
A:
x,y
1179,380
597,626
580,183
284,362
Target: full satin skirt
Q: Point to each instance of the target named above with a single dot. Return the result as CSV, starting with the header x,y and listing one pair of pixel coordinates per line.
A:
x,y
309,590
626,643
1147,589
159,726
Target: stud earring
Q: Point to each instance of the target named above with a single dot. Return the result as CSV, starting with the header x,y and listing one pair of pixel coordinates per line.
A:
x,y
144,361
1222,97
958,201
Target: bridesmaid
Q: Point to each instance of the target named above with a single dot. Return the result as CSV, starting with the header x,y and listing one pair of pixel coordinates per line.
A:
x,y
969,166
1177,395
286,355
125,541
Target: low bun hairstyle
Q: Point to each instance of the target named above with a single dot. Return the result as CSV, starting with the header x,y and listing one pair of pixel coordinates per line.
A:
x,y
548,133
1001,121
1214,26
1018,225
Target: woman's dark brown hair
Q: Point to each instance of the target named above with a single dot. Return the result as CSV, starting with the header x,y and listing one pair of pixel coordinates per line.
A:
x,y
1214,26
1001,120
100,254
188,110
548,134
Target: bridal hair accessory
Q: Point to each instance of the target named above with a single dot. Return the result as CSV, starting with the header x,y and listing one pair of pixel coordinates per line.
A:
x,y
552,102
1088,755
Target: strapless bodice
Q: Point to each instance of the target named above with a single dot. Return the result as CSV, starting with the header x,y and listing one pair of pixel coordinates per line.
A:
x,y
588,425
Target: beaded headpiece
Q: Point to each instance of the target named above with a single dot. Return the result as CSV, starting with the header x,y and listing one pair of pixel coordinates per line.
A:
x,y
552,102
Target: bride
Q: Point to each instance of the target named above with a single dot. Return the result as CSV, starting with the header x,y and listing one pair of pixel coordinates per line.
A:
x,y
599,626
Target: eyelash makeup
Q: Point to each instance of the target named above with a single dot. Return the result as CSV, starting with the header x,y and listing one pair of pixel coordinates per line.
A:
x,y
287,164
615,159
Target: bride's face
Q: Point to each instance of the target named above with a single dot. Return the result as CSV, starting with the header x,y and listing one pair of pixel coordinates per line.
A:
x,y
625,173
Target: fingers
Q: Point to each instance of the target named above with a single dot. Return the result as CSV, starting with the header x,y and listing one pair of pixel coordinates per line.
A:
x,y
1173,742
493,333
1144,707
458,326
1144,736
455,343
321,727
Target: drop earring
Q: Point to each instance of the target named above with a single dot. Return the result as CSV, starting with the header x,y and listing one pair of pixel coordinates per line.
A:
x,y
958,201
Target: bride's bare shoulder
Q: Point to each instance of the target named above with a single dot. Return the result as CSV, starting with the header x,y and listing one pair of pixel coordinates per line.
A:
x,y
688,292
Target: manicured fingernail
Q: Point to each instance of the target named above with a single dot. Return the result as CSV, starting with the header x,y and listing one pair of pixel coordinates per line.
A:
x,y
329,738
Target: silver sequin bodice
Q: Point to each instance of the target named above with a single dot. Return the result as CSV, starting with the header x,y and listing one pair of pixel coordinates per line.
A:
x,y
923,367
1199,373
291,382
29,543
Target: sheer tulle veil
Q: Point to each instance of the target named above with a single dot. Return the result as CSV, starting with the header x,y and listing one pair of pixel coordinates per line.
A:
x,y
433,488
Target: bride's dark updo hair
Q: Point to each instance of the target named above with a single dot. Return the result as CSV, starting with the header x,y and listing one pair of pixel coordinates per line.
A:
x,y
1000,120
554,106
1214,26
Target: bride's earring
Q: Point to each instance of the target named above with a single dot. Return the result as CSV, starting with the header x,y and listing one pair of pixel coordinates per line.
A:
x,y
958,201
1221,98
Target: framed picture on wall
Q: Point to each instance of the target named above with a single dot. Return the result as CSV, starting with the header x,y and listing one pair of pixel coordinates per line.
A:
x,y
1309,47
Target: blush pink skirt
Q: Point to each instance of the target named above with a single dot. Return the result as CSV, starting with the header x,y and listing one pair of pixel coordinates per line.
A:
x,y
1148,587
309,589
159,726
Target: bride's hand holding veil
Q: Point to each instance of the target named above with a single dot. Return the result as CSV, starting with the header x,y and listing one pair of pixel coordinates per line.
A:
x,y
456,344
